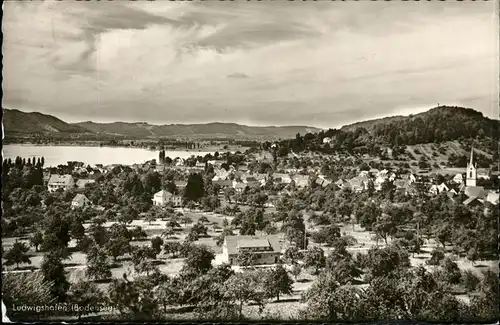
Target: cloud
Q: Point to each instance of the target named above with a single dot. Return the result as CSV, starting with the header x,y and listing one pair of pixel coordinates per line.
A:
x,y
238,75
318,63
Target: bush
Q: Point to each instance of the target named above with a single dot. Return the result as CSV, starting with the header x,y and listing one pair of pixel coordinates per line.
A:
x,y
470,281
437,255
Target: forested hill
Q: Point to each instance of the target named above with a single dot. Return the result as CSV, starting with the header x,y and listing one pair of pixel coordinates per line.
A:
x,y
16,121
442,123
439,124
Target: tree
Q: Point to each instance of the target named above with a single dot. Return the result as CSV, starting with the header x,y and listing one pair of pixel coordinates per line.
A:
x,y
277,281
385,226
296,270
199,229
98,232
150,218
117,246
437,255
36,240
451,272
168,232
53,272
243,288
292,255
469,280
186,219
156,244
194,190
134,298
84,293
327,300
142,259
198,260
387,260
98,267
315,258
138,233
17,254
56,233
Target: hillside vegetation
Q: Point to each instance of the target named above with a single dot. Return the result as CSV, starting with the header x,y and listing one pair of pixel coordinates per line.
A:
x,y
456,128
15,121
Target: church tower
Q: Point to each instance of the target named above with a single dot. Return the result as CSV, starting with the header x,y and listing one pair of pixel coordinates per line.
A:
x,y
471,175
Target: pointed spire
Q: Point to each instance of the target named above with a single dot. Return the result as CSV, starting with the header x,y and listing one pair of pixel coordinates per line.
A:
x,y
471,155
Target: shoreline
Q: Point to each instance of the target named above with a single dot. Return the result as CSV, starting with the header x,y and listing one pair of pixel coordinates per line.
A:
x,y
206,149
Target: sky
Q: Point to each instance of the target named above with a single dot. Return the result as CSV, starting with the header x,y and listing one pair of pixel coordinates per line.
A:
x,y
321,63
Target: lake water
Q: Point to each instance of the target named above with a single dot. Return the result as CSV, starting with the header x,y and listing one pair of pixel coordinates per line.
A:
x,y
60,155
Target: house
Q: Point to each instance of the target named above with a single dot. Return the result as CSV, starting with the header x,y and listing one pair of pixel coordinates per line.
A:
x,y
357,184
483,175
326,140
340,183
301,180
284,178
266,249
322,181
458,179
379,181
64,182
436,189
81,183
80,201
239,186
164,197
160,168
251,182
243,168
472,202
492,197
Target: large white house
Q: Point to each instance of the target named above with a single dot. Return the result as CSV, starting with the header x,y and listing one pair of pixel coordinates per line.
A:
x,y
266,249
64,182
164,197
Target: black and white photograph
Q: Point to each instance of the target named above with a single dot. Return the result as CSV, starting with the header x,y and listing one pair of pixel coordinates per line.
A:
x,y
250,161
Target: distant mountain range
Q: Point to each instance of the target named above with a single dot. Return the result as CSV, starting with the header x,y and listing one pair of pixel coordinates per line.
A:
x,y
20,123
443,123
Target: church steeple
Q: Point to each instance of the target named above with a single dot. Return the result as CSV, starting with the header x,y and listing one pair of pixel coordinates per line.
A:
x,y
471,176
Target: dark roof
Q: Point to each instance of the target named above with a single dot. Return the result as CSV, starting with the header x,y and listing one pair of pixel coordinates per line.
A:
x,y
233,242
470,200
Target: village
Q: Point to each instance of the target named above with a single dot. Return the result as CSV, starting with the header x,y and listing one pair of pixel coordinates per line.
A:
x,y
252,211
